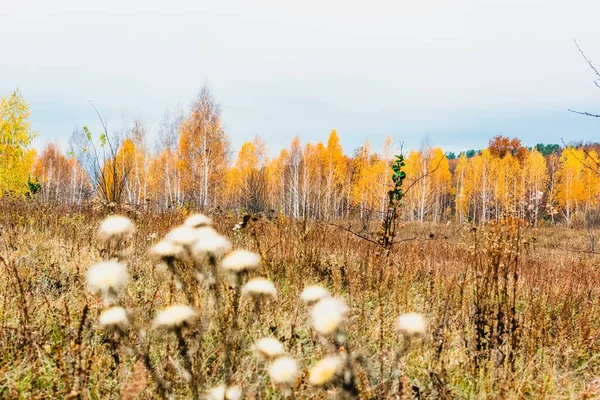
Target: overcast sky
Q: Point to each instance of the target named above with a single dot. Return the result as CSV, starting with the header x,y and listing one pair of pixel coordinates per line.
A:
x,y
452,72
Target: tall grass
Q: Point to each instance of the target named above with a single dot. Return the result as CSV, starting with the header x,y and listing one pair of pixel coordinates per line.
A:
x,y
510,312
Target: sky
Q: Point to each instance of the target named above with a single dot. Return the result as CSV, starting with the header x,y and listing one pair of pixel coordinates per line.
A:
x,y
447,73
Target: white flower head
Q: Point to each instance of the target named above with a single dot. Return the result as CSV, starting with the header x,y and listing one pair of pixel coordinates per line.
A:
x,y
259,288
166,250
206,232
325,370
284,371
115,227
115,318
106,278
240,260
269,347
312,294
223,393
198,221
233,393
174,317
210,243
216,393
411,324
182,235
328,315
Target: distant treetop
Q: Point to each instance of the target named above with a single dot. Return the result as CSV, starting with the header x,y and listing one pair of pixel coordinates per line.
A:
x,y
547,149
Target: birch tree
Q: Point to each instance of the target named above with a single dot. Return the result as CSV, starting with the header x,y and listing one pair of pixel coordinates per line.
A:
x,y
203,151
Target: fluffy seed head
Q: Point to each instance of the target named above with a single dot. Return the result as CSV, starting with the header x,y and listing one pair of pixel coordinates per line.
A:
x,y
206,232
269,348
325,370
115,227
411,324
223,393
210,242
240,260
284,371
182,235
166,250
233,393
106,277
176,316
198,221
328,315
259,287
115,318
312,294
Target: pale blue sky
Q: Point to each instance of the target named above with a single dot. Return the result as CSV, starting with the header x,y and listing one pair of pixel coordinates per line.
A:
x,y
453,72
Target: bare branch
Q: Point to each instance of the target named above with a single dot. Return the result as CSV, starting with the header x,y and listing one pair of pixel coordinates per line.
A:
x,y
100,118
584,113
425,175
588,61
581,251
354,233
595,169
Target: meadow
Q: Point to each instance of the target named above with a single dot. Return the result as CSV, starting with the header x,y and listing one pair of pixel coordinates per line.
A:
x,y
512,311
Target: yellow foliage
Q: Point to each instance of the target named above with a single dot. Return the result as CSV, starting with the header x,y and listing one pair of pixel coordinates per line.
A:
x,y
571,191
16,159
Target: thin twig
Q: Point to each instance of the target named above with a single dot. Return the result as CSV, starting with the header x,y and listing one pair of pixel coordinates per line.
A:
x,y
584,113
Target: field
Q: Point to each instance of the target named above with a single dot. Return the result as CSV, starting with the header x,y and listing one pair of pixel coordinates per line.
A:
x,y
512,311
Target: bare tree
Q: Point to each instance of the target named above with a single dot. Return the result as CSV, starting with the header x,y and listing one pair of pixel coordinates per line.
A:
x,y
99,159
254,192
167,140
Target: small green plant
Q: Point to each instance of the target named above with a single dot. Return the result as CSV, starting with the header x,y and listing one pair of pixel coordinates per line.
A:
x,y
388,226
398,177
33,186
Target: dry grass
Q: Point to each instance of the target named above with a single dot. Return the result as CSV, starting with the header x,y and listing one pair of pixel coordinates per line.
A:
x,y
512,312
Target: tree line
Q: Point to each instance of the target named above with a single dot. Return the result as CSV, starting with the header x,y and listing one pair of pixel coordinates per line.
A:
x,y
191,164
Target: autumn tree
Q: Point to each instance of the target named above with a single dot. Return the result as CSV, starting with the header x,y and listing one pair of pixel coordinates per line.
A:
x,y
52,169
383,181
591,182
335,171
256,188
164,176
16,135
360,171
293,167
535,183
501,146
134,156
550,206
461,189
277,182
311,180
441,186
505,179
247,178
428,184
203,151
414,166
479,186
570,186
